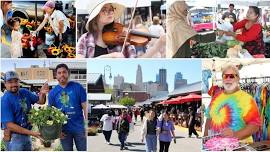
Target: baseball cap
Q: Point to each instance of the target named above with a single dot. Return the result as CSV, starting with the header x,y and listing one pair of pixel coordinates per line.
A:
x,y
10,75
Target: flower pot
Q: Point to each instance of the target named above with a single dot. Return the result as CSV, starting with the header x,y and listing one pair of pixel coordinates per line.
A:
x,y
50,132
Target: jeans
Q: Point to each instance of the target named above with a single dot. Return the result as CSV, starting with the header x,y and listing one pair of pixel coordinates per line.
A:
x,y
164,146
79,139
122,136
107,135
20,142
151,143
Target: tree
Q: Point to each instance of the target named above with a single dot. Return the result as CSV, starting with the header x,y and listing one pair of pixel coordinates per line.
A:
x,y
127,101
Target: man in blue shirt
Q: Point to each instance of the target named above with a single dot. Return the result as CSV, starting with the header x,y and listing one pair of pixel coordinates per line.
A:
x,y
15,105
70,97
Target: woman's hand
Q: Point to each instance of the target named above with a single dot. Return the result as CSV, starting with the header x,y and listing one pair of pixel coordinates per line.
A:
x,y
230,33
220,32
162,39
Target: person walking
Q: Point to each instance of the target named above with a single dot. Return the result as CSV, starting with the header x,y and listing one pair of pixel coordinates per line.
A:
x,y
149,132
107,120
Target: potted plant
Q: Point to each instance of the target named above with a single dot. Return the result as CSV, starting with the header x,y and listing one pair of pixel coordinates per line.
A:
x,y
49,121
92,131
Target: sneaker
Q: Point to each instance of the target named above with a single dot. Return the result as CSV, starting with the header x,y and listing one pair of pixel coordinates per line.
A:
x,y
109,143
121,148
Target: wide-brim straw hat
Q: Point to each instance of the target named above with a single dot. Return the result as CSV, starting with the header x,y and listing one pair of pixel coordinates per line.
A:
x,y
95,7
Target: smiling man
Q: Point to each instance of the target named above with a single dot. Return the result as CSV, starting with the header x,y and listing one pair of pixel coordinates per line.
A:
x,y
15,106
232,112
70,97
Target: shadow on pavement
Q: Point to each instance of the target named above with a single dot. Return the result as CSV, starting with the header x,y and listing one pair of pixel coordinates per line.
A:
x,y
178,137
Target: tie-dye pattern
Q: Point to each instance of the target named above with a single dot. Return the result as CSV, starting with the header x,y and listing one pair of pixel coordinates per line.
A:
x,y
232,111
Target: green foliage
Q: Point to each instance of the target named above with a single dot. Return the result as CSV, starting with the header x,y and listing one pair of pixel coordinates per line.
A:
x,y
47,116
127,101
209,50
3,146
232,43
59,148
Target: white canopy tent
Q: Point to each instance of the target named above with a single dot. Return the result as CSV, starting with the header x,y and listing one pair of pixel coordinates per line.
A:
x,y
117,106
100,106
218,63
251,68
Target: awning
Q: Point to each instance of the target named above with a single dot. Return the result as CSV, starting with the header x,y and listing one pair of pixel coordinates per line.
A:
x,y
100,106
117,106
179,100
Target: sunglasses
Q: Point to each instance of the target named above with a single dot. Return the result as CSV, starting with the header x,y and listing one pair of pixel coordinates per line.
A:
x,y
231,76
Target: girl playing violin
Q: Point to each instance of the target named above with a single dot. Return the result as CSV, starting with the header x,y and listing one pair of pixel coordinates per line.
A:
x,y
102,16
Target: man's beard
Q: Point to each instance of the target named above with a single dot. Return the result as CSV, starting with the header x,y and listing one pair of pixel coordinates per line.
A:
x,y
230,87
14,89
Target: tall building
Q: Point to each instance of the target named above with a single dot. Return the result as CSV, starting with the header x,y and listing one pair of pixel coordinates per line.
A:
x,y
157,78
139,78
118,82
163,79
178,80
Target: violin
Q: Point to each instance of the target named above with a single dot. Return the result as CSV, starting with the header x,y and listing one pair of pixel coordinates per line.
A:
x,y
116,35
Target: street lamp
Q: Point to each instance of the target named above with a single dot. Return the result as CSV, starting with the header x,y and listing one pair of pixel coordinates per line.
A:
x,y
107,68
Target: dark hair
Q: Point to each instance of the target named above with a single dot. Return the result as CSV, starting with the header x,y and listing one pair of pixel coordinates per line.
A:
x,y
62,65
231,5
13,20
256,10
26,31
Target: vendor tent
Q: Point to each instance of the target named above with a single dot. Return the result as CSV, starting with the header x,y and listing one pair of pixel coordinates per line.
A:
x,y
117,106
100,106
217,64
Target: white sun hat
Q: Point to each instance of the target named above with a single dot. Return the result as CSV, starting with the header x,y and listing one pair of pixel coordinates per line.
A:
x,y
95,6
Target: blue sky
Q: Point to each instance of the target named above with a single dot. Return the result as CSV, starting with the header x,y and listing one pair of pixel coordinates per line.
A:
x,y
191,69
8,64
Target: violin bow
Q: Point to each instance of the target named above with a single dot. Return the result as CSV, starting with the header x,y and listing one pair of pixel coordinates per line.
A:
x,y
129,26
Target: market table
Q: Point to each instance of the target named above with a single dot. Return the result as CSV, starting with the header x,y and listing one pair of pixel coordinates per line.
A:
x,y
259,146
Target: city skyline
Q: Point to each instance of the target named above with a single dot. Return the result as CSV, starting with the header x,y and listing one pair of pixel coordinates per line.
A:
x,y
191,70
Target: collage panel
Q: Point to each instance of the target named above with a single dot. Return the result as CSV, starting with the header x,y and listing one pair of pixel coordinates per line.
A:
x,y
144,105
218,28
38,29
236,105
43,105
114,29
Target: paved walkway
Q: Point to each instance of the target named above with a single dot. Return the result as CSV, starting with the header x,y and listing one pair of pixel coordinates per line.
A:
x,y
184,144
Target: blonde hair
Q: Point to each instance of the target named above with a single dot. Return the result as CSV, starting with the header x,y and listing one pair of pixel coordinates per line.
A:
x,y
232,67
156,20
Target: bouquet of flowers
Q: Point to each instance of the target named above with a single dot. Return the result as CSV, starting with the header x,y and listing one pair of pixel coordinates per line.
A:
x,y
49,120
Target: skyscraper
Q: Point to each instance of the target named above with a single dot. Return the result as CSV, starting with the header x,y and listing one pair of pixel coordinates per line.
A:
x,y
178,80
139,78
118,82
163,79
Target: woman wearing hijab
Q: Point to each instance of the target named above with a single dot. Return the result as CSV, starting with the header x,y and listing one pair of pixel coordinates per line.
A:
x,y
179,32
101,17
